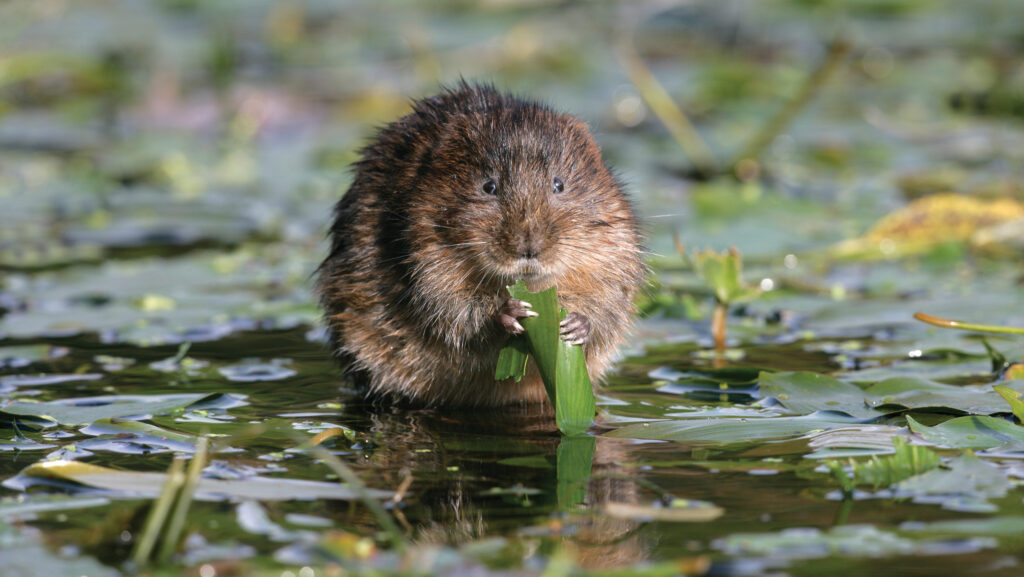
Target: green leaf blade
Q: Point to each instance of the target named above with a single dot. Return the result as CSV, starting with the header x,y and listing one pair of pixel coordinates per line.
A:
x,y
574,394
562,366
512,360
1014,398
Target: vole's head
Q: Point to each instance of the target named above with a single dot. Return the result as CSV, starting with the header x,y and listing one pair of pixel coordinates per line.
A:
x,y
522,192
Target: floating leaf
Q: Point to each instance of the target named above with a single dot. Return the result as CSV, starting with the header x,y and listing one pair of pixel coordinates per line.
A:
x,y
970,432
25,553
13,381
23,444
1008,526
732,430
148,485
806,392
144,434
256,372
852,441
31,505
82,411
561,365
845,540
915,393
965,485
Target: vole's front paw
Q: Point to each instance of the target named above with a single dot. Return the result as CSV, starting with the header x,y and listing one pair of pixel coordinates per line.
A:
x,y
575,329
511,312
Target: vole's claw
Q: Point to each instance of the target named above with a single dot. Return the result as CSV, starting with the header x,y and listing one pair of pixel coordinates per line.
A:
x,y
575,329
511,312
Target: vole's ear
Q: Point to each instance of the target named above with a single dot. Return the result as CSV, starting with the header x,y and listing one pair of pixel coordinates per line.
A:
x,y
580,127
584,141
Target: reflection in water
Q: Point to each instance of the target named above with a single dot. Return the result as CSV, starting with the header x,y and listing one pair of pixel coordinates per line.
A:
x,y
492,473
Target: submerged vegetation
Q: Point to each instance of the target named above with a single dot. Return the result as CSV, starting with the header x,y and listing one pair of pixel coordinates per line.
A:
x,y
166,173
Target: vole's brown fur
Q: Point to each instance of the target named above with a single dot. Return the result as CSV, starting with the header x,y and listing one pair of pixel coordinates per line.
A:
x,y
423,247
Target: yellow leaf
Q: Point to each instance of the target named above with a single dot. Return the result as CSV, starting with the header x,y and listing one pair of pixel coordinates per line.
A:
x,y
928,222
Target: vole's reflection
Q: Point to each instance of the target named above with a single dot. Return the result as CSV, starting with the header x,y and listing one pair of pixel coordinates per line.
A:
x,y
479,474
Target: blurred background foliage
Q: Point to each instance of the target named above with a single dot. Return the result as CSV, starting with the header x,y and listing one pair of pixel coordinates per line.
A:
x,y
168,168
205,142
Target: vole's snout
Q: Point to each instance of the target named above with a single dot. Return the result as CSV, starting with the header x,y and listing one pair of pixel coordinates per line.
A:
x,y
529,247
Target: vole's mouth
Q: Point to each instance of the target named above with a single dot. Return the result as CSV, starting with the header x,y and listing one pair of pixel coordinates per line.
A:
x,y
527,266
533,272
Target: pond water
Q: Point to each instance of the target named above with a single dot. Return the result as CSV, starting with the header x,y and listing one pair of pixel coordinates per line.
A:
x,y
166,175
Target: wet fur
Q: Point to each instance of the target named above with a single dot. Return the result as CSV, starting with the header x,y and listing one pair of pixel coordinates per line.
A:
x,y
420,255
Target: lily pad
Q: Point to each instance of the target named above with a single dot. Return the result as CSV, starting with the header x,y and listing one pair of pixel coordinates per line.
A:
x,y
149,485
805,393
24,506
853,441
845,540
733,430
82,411
255,372
966,485
13,381
1008,526
915,393
24,553
142,435
972,432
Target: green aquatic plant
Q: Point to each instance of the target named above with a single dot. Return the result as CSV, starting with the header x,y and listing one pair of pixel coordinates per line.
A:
x,y
166,519
561,365
951,324
722,272
1013,398
905,462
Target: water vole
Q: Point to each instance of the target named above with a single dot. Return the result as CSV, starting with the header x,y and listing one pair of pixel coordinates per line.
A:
x,y
450,204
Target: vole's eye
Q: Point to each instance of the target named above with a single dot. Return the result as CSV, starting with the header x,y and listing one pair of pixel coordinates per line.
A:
x,y
559,186
490,187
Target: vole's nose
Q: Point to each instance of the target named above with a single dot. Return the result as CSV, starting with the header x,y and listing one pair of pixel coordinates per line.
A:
x,y
529,246
529,250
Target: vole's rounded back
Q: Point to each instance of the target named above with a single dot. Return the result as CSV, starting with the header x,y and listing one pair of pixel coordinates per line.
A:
x,y
450,204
